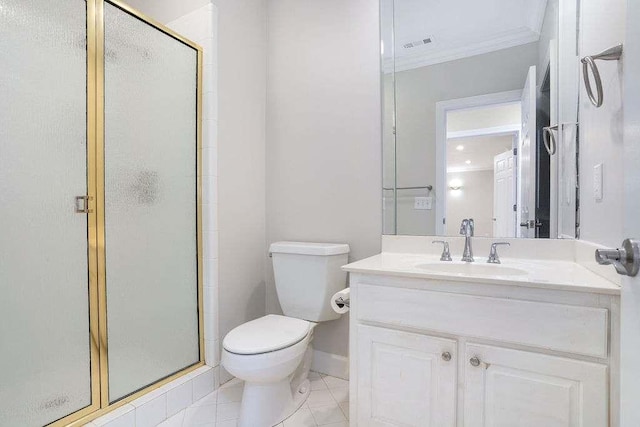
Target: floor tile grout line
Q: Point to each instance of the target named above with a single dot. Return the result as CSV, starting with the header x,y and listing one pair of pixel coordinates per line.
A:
x,y
232,384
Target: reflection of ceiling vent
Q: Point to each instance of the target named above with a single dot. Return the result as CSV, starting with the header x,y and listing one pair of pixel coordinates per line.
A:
x,y
417,43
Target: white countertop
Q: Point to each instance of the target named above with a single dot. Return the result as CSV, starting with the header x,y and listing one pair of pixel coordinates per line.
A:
x,y
545,274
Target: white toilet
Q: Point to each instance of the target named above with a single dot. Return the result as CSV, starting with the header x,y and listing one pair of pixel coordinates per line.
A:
x,y
272,354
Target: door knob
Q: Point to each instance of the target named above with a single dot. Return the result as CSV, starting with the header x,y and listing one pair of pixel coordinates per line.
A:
x,y
446,356
531,224
474,361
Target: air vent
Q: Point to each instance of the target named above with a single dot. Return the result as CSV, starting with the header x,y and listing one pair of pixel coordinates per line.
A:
x,y
417,43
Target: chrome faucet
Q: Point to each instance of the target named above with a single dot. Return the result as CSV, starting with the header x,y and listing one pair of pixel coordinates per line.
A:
x,y
493,253
466,229
446,254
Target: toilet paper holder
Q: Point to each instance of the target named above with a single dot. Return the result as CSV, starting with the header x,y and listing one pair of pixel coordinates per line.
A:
x,y
342,302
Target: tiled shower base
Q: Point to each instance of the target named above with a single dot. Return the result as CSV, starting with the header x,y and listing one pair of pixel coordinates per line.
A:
x,y
327,405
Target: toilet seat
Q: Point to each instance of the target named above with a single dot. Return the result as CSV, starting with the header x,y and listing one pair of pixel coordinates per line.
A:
x,y
266,334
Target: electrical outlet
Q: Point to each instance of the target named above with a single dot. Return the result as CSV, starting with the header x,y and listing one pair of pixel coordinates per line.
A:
x,y
423,203
597,182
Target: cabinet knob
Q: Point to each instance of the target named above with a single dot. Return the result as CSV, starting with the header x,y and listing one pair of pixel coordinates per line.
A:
x,y
474,361
446,356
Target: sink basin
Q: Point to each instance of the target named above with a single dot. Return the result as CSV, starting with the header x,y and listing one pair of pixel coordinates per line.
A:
x,y
472,269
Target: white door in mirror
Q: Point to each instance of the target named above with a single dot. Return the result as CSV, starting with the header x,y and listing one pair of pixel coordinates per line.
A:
x,y
527,158
504,195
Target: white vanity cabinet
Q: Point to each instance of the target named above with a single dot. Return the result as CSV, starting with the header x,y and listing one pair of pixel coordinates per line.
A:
x,y
505,387
443,353
405,379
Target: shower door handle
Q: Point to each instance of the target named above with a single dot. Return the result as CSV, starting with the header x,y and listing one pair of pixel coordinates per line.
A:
x,y
82,204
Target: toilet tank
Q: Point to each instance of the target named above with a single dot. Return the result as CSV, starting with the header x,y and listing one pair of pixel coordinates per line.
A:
x,y
307,275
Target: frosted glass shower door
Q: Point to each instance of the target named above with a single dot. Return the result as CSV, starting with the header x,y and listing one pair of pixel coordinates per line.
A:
x,y
150,147
45,345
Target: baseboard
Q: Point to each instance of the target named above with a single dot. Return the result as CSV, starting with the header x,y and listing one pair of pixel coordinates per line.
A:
x,y
330,364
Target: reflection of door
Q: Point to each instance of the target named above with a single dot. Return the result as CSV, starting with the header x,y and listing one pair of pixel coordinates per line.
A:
x,y
504,220
527,159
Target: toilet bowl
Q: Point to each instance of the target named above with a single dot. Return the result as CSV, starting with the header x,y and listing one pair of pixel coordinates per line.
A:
x,y
272,355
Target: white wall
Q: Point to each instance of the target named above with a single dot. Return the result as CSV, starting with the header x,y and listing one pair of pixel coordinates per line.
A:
x,y
242,61
473,200
601,129
166,11
548,32
324,133
483,118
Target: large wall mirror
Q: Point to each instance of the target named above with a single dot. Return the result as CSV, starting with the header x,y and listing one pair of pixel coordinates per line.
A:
x,y
480,117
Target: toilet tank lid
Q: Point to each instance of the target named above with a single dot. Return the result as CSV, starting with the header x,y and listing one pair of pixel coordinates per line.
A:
x,y
306,248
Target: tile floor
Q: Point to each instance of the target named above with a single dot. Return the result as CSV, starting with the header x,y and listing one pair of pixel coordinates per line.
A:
x,y
327,405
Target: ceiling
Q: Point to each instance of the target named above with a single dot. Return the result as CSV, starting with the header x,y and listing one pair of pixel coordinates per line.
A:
x,y
489,131
457,28
492,116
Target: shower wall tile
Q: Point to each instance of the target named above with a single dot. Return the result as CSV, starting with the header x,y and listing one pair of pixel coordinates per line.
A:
x,y
211,276
210,162
209,103
212,217
160,404
203,384
212,352
200,26
209,46
124,416
209,189
209,133
179,397
153,412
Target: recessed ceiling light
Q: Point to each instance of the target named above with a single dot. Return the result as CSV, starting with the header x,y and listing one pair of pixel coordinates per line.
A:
x,y
460,147
468,162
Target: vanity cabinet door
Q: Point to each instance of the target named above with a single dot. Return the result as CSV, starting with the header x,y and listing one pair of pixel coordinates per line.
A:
x,y
509,388
405,379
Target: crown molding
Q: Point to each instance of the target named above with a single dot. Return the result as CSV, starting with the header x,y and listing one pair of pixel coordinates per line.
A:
x,y
505,40
462,169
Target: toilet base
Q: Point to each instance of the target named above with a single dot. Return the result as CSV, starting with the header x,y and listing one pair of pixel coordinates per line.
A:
x,y
266,405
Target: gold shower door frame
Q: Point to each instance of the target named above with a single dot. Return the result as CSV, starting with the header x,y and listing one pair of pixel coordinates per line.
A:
x,y
96,219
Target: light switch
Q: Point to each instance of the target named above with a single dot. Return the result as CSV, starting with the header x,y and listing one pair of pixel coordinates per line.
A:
x,y
597,182
422,203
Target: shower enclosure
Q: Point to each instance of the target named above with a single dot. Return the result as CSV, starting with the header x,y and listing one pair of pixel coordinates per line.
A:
x,y
100,222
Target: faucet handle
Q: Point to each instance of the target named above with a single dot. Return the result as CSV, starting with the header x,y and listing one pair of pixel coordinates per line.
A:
x,y
493,253
446,255
467,227
464,227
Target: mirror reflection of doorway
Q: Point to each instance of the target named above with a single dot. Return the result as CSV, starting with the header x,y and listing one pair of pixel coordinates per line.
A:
x,y
481,172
